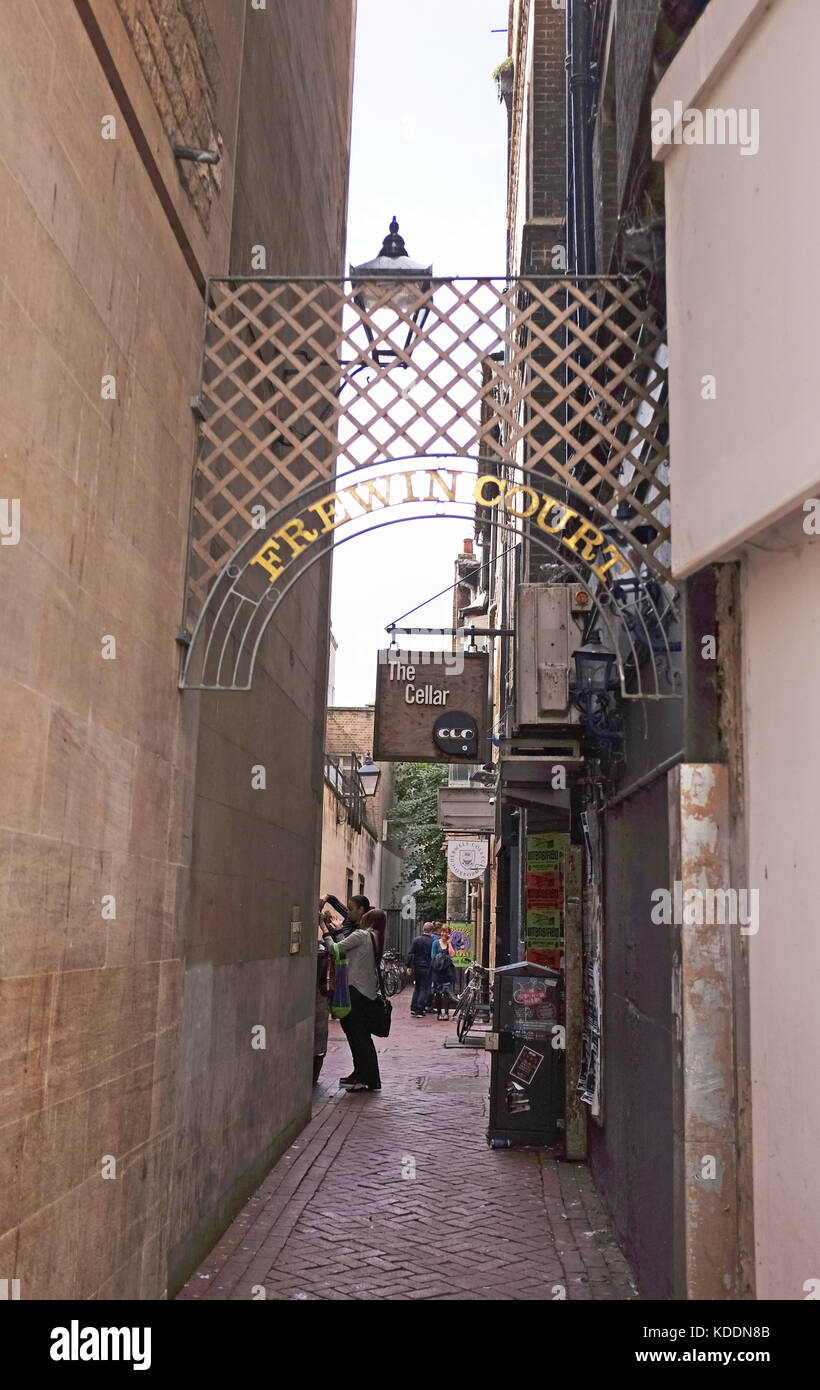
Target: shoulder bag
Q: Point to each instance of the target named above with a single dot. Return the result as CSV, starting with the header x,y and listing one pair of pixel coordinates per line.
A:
x,y
380,1011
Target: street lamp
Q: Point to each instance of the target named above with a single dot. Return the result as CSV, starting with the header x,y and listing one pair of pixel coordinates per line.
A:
x,y
593,667
369,776
593,674
391,281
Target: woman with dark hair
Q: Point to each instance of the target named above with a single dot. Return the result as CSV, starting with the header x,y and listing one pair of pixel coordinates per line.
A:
x,y
352,915
362,949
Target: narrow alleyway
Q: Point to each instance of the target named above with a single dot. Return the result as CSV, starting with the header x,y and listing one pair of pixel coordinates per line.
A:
x,y
340,1216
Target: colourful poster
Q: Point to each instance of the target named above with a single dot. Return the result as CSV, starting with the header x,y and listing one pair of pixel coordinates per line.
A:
x,y
545,928
462,943
545,853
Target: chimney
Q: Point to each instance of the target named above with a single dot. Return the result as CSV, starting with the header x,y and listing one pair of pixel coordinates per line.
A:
x,y
468,548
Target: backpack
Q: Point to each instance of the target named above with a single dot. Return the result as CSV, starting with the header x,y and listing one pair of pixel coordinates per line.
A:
x,y
441,964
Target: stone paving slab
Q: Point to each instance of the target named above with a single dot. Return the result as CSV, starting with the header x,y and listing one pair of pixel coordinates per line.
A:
x,y
396,1195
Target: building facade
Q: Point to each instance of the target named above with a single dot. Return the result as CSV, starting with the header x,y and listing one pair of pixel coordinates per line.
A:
x,y
677,1072
159,847
359,854
744,505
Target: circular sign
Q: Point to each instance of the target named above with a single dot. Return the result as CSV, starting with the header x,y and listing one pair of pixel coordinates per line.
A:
x,y
456,733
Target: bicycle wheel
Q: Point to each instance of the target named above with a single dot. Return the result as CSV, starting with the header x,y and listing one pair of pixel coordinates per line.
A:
x,y
466,1018
391,983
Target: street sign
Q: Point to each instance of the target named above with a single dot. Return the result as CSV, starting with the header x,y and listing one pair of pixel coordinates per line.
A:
x,y
431,707
467,858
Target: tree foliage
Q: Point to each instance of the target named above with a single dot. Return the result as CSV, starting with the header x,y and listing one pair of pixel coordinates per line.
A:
x,y
413,825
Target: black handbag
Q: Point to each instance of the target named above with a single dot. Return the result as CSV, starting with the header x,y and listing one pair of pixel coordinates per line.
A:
x,y
380,1009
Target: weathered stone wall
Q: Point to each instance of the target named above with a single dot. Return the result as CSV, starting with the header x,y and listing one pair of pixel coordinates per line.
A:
x,y
181,63
105,248
256,854
98,753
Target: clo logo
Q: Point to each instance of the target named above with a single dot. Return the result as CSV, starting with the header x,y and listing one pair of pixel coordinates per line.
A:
x,y
456,733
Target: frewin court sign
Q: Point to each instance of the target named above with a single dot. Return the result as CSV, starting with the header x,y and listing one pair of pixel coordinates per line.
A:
x,y
516,503
431,707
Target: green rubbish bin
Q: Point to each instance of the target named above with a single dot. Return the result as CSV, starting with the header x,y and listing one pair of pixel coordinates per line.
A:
x,y
527,1066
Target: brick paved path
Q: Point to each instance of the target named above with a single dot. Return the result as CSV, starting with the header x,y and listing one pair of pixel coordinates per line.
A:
x,y
516,1225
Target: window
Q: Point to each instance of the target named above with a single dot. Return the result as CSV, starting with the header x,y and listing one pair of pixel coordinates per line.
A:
x,y
361,885
349,890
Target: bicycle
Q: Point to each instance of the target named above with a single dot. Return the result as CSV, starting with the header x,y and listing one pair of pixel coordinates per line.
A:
x,y
470,1003
393,974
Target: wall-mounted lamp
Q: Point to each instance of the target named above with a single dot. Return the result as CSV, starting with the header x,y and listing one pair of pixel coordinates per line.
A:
x,y
369,776
594,665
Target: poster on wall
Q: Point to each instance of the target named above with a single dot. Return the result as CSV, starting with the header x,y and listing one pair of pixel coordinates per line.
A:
x,y
544,886
461,941
526,1065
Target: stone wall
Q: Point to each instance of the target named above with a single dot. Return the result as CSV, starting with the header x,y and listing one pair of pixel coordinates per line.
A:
x,y
114,784
256,851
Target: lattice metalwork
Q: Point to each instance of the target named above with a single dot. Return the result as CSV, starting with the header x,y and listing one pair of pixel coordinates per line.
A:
x,y
561,379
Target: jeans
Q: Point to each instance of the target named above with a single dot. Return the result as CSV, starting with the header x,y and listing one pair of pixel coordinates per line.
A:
x,y
357,1031
421,991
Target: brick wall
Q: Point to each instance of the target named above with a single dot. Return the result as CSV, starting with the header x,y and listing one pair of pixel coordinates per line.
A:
x,y
538,146
549,125
634,37
351,731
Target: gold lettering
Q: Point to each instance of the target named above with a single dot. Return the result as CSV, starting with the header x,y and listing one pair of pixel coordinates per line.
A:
x,y
549,505
617,559
408,483
449,492
293,532
325,509
478,491
588,547
266,557
532,507
372,491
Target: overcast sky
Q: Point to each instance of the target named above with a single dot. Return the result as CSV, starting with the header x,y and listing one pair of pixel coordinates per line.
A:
x,y
429,144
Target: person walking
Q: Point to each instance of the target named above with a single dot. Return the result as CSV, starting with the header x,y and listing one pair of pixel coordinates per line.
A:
x,y
418,964
443,972
362,949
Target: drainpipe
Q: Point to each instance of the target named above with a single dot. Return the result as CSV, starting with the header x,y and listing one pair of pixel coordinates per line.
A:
x,y
580,84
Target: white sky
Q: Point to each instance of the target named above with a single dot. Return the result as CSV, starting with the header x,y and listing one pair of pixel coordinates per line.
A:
x,y
429,144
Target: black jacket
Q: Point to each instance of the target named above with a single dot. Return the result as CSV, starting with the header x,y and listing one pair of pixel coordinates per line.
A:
x,y
420,952
347,926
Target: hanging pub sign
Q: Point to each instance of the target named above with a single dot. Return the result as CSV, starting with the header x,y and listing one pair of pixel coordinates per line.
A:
x,y
431,707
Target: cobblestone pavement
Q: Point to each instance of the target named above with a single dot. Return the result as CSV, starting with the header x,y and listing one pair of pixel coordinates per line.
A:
x,y
340,1216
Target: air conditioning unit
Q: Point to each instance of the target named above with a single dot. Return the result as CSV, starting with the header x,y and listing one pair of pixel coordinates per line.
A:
x,y
546,635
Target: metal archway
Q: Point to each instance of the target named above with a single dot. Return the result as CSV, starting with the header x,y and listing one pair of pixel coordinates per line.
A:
x,y
639,613
553,384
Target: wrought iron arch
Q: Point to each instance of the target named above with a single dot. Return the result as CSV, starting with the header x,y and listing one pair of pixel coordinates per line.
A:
x,y
638,612
553,383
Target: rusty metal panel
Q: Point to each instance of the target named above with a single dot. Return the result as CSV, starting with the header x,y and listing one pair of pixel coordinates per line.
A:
x,y
575,1112
704,1006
